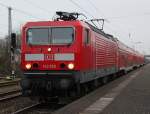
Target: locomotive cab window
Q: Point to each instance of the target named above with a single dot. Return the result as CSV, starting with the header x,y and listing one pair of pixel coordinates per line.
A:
x,y
62,35
86,36
38,36
52,35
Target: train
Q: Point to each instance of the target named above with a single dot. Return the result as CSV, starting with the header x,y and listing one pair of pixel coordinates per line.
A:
x,y
64,55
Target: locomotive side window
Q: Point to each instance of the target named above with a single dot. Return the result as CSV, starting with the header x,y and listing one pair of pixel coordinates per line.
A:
x,y
62,35
86,36
38,36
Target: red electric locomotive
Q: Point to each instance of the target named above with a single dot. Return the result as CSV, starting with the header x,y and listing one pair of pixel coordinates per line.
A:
x,y
64,54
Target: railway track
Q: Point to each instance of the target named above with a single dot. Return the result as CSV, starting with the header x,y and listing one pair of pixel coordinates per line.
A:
x,y
1,77
9,89
25,109
9,83
10,95
39,108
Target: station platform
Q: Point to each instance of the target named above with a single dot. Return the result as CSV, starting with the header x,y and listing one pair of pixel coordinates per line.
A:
x,y
132,96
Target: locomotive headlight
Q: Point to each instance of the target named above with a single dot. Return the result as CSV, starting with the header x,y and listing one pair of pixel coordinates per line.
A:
x,y
71,66
49,49
28,66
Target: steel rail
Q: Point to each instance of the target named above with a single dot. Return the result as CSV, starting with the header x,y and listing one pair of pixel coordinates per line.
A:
x,y
9,95
9,83
26,108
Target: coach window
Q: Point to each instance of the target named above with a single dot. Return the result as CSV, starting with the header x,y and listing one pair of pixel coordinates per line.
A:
x,y
86,36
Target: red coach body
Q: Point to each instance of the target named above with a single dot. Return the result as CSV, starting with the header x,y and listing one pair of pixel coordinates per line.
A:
x,y
128,58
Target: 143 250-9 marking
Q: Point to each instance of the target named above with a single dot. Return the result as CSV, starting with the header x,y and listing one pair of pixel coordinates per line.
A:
x,y
47,66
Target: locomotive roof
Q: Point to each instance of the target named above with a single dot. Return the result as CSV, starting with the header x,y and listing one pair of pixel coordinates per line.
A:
x,y
74,23
109,36
97,30
53,23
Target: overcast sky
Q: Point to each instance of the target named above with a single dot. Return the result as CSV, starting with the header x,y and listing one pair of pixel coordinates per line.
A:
x,y
123,17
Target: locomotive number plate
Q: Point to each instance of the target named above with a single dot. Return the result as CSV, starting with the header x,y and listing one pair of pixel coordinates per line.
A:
x,y
51,66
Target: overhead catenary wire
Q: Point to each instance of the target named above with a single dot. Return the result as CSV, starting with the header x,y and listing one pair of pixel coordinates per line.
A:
x,y
37,6
26,13
3,5
96,9
105,18
77,5
131,16
19,10
44,9
81,8
99,12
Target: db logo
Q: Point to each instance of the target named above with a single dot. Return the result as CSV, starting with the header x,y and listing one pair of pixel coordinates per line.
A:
x,y
48,57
